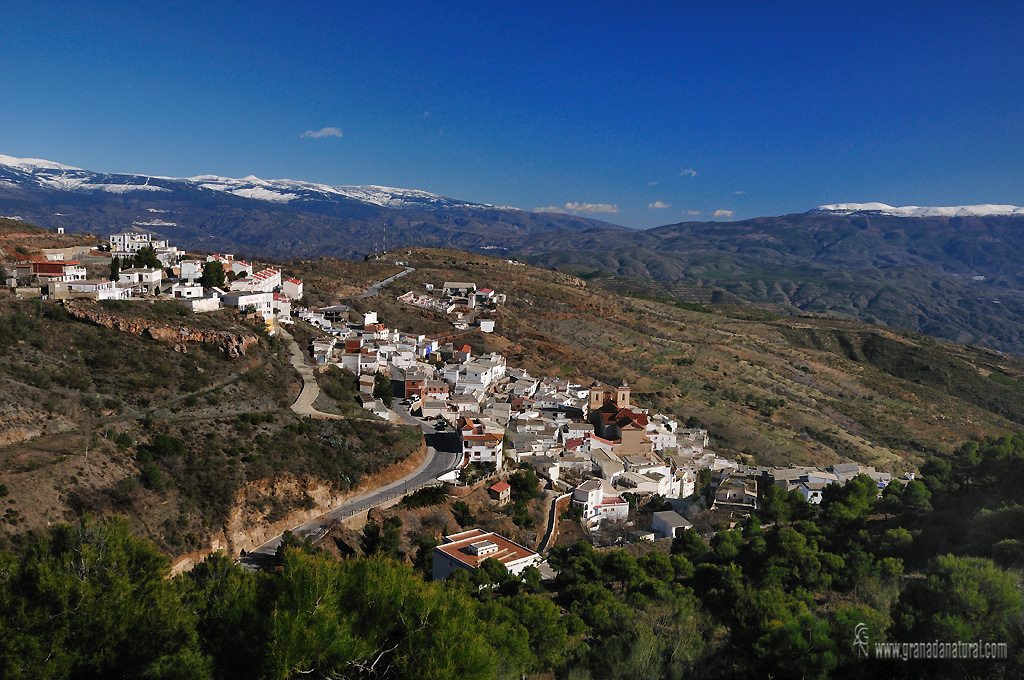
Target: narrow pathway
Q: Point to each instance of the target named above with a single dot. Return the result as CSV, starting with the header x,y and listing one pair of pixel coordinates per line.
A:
x,y
552,524
310,389
375,288
435,463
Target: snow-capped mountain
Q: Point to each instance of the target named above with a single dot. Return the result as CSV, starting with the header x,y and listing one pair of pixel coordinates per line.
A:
x,y
917,211
279,217
47,174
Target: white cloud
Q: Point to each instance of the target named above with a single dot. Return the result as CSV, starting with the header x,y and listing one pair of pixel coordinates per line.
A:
x,y
689,172
580,208
739,193
322,132
658,205
652,184
722,213
692,212
592,207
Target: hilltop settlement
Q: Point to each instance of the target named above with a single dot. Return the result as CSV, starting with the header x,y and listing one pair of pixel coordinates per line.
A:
x,y
294,449
590,444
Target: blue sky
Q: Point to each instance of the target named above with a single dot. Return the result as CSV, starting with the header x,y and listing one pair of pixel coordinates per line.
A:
x,y
743,109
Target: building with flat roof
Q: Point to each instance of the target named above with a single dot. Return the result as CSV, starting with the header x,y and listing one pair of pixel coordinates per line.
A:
x,y
669,524
468,550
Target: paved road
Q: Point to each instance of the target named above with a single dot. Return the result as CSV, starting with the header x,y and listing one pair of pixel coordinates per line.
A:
x,y
443,452
375,288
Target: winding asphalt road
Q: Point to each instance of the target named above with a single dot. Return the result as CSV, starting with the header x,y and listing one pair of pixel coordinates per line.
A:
x,y
443,453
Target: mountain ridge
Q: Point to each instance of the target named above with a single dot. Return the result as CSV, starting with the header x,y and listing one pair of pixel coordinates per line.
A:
x,y
269,218
981,210
273,190
955,275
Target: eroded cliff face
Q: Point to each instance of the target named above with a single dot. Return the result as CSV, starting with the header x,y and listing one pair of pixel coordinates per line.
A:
x,y
248,526
233,345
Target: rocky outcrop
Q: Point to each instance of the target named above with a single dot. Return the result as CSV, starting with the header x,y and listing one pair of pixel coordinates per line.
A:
x,y
233,345
247,527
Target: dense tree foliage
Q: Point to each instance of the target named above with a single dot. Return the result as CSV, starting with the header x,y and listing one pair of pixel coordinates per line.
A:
x,y
778,595
146,257
213,275
90,600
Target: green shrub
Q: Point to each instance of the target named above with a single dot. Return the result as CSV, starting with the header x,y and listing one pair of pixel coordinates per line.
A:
x,y
165,445
427,496
152,478
463,514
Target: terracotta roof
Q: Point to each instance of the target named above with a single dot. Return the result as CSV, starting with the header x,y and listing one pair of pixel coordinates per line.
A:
x,y
458,547
500,487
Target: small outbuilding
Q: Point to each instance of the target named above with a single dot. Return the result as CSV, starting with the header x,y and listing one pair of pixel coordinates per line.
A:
x,y
500,491
669,524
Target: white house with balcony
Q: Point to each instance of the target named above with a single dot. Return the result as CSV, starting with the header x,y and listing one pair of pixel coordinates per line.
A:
x,y
141,279
480,443
598,501
190,270
263,281
292,288
131,242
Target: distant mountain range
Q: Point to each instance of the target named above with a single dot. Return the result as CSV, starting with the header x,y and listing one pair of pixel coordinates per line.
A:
x,y
951,272
917,211
262,217
958,278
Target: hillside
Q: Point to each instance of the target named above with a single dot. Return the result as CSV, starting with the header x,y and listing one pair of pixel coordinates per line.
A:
x,y
192,438
212,454
196,445
956,278
776,388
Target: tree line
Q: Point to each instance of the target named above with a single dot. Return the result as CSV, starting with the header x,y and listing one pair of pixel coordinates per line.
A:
x,y
781,594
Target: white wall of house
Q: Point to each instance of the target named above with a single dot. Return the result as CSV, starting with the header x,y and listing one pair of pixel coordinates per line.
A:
x,y
292,288
191,269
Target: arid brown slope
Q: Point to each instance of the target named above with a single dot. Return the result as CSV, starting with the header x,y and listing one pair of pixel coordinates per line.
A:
x,y
780,389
